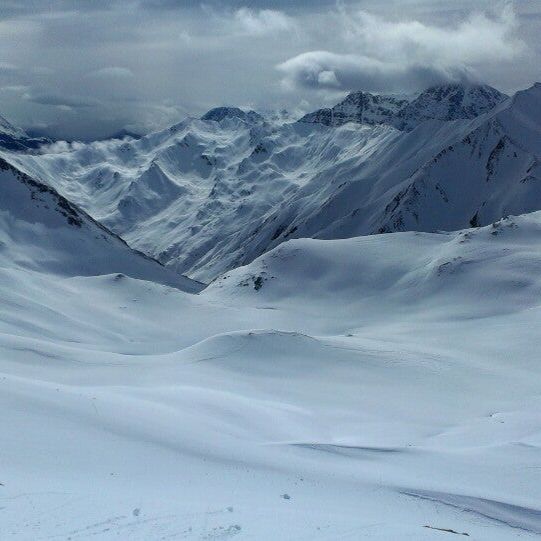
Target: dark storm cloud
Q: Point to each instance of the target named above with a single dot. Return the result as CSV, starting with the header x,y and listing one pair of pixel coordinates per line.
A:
x,y
81,69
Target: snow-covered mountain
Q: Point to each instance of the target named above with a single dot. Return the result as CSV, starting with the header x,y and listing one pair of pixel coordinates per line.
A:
x,y
440,176
220,113
442,102
189,194
42,231
448,102
207,195
14,138
379,386
8,129
360,107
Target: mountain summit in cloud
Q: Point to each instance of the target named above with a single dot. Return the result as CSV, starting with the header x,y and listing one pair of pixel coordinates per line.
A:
x,y
443,102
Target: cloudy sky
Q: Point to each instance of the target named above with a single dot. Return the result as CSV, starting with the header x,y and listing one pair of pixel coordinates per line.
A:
x,y
81,69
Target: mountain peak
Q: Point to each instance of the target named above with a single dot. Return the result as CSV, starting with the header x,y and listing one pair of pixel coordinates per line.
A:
x,y
361,107
450,101
15,138
8,128
220,113
533,93
521,118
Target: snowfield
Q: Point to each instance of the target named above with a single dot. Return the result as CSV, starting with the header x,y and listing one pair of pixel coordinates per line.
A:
x,y
381,387
395,395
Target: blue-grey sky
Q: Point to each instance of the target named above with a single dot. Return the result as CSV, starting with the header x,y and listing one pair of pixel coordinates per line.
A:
x,y
81,69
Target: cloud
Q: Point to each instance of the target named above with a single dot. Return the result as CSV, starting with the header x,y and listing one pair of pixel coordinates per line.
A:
x,y
478,38
64,147
112,72
59,100
263,21
42,70
7,67
17,89
405,55
322,70
186,56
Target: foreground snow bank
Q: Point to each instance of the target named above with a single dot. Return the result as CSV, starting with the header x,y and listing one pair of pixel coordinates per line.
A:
x,y
378,388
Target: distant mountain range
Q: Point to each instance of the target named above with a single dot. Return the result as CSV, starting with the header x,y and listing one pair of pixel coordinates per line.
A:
x,y
209,194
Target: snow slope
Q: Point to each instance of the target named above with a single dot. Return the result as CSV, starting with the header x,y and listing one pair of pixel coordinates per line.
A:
x,y
43,232
383,387
15,138
208,195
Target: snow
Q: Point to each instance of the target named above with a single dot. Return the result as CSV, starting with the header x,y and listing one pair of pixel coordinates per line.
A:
x,y
442,102
205,196
374,387
43,232
394,395
329,382
449,102
361,107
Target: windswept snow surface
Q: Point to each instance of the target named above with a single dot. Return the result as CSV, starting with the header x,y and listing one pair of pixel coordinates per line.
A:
x,y
384,387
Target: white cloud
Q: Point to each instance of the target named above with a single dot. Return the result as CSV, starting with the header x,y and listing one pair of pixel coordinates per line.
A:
x,y
328,78
197,54
325,70
389,55
478,38
263,21
111,72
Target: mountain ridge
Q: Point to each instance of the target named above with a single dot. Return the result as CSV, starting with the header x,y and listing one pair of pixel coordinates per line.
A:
x,y
213,195
37,219
442,102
